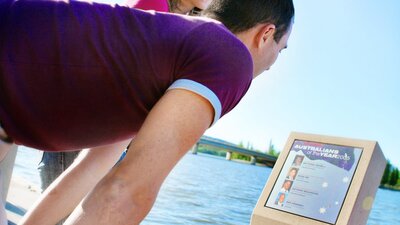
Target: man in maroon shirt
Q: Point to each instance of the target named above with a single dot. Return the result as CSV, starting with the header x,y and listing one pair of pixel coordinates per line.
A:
x,y
54,163
174,77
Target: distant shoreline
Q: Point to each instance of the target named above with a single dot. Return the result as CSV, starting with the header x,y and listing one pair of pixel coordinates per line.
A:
x,y
232,160
388,187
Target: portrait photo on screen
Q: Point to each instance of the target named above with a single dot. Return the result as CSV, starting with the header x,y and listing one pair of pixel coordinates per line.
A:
x,y
280,200
315,179
287,184
292,173
298,160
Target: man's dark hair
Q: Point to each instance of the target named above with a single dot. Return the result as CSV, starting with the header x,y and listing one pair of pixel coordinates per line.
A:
x,y
241,15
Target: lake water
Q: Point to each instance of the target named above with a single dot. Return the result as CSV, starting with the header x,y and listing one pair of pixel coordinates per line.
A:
x,y
204,189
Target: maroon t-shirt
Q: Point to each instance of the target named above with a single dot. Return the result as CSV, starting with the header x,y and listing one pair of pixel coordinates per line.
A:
x,y
76,75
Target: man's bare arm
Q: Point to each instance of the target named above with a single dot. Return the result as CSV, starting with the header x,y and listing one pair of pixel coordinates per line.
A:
x,y
65,193
127,193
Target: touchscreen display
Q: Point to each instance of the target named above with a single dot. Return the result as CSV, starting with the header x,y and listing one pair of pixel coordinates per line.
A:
x,y
314,180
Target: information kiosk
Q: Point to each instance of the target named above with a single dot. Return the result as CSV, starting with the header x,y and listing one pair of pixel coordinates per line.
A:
x,y
320,180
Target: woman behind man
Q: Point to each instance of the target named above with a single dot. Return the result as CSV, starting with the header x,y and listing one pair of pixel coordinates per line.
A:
x,y
174,6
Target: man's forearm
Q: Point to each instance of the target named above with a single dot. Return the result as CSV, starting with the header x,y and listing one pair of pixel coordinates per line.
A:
x,y
126,194
115,200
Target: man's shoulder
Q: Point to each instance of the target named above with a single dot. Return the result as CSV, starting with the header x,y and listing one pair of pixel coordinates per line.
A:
x,y
214,36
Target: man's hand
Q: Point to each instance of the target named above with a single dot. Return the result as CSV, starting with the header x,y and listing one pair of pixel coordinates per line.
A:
x,y
127,193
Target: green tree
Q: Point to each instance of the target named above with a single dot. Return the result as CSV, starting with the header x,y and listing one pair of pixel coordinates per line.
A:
x,y
394,176
386,174
272,150
249,146
239,156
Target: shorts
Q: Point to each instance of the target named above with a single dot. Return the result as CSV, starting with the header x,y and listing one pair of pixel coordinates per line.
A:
x,y
4,137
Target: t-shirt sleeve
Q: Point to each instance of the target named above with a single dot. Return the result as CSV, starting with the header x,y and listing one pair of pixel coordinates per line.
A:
x,y
216,65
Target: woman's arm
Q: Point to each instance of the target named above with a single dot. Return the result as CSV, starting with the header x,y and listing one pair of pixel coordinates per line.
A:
x,y
127,193
65,193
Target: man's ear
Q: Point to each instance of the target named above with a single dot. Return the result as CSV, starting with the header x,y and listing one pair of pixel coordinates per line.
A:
x,y
265,34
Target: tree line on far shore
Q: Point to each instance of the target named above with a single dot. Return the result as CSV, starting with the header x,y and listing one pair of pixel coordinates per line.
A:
x,y
390,178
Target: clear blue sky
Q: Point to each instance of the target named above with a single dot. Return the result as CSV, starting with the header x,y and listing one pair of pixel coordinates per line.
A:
x,y
340,76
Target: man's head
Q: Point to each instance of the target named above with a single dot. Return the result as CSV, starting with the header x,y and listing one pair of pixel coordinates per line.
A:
x,y
287,185
293,173
298,160
281,198
264,26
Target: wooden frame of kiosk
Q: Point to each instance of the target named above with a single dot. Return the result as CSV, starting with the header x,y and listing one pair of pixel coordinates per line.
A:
x,y
334,182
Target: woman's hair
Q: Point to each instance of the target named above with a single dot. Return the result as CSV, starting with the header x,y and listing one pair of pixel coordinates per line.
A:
x,y
241,15
173,5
